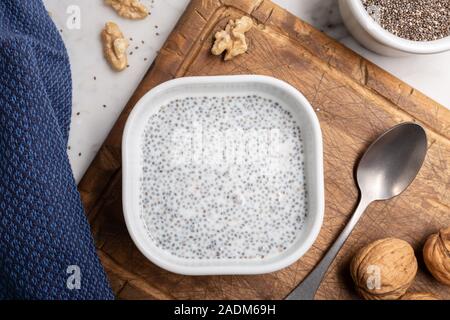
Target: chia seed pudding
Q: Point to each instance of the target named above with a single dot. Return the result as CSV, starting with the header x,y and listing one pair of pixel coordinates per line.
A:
x,y
223,178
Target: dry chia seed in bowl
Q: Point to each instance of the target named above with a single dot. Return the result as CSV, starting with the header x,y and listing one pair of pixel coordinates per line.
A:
x,y
417,20
223,178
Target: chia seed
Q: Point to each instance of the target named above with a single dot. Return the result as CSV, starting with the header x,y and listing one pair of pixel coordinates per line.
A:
x,y
242,205
417,20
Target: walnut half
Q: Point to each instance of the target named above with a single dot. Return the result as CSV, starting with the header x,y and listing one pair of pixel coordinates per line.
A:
x,y
130,9
232,39
115,46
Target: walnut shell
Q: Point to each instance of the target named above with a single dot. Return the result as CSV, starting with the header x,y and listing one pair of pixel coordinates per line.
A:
x,y
436,254
419,296
384,269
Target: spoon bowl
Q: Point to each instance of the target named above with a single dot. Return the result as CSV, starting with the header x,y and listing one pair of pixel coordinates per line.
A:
x,y
392,162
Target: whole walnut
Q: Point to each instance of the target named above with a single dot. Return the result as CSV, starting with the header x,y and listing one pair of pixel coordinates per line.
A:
x,y
419,296
436,254
384,269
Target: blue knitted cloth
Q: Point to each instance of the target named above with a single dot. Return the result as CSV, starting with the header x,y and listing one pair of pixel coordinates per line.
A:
x,y
46,248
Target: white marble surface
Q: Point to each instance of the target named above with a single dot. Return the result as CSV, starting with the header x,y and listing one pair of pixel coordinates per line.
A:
x,y
99,94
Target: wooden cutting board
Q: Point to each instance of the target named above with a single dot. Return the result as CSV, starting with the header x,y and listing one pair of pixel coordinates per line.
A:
x,y
355,102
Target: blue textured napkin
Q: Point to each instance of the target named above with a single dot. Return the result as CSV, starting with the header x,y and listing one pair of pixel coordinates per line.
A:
x,y
46,248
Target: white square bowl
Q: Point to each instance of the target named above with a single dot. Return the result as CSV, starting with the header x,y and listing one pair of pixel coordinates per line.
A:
x,y
272,88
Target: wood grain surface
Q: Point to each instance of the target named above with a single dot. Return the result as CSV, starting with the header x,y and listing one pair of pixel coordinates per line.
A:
x,y
355,102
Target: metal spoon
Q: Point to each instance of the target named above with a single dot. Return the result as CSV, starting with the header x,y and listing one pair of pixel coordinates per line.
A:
x,y
386,169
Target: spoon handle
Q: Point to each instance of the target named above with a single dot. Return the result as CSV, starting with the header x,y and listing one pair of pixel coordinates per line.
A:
x,y
307,289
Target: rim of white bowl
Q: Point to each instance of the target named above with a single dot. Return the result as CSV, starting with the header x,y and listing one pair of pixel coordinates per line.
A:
x,y
385,37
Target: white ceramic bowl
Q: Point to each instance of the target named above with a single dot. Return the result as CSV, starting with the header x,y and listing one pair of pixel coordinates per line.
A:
x,y
219,86
369,33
